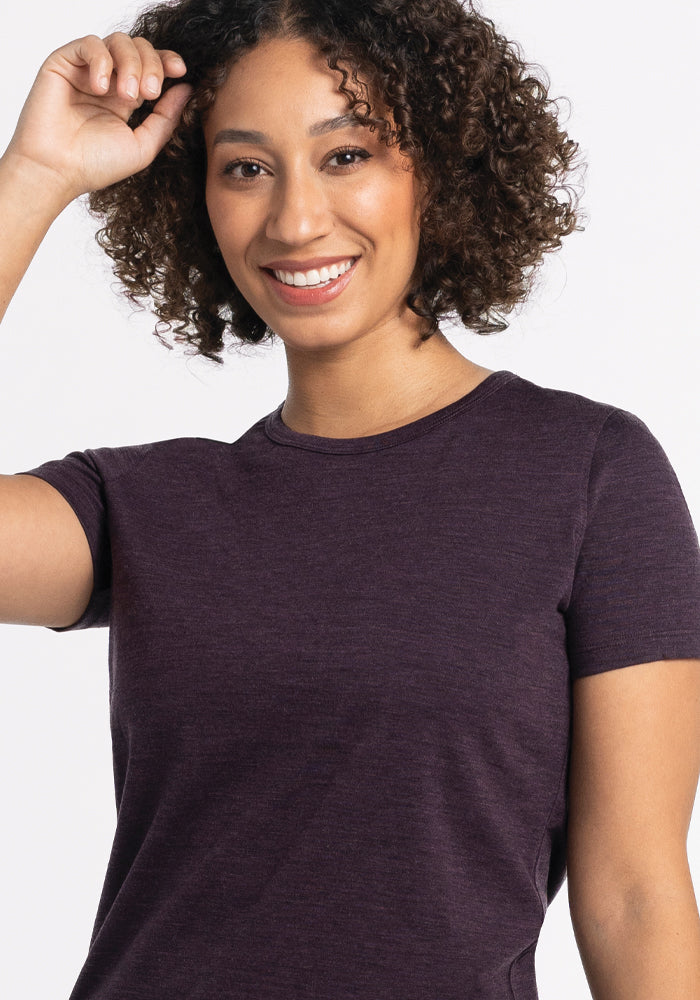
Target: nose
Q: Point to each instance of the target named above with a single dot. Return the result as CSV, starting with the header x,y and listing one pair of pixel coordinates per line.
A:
x,y
299,211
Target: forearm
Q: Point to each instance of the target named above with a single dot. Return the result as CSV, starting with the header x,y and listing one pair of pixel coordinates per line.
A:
x,y
650,952
30,200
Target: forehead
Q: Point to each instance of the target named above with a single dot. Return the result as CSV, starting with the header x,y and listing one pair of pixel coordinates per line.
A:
x,y
283,76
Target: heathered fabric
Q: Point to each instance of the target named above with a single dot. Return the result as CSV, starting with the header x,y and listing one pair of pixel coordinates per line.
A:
x,y
340,680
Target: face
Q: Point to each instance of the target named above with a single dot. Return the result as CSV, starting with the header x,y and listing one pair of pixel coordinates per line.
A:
x,y
317,220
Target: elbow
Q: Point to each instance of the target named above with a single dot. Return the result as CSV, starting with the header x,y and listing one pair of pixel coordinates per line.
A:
x,y
608,919
639,941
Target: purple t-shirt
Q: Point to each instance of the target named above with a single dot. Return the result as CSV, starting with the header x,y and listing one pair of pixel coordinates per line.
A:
x,y
340,689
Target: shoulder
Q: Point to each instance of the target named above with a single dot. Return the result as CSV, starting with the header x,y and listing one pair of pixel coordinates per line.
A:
x,y
172,448
560,406
147,458
100,473
559,422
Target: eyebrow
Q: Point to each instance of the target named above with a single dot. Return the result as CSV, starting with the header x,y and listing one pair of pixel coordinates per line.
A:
x,y
260,139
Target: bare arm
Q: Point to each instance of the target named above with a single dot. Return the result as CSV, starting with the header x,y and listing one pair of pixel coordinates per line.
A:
x,y
28,206
45,561
634,773
72,137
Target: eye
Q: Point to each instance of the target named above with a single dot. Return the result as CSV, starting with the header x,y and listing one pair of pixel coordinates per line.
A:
x,y
244,170
348,158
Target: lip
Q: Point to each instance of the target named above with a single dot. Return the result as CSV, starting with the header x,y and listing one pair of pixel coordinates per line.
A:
x,y
293,296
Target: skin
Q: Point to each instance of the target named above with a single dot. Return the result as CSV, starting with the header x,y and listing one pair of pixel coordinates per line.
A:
x,y
356,364
635,761
355,368
635,754
72,137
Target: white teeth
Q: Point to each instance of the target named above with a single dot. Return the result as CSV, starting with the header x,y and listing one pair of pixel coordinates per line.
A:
x,y
313,278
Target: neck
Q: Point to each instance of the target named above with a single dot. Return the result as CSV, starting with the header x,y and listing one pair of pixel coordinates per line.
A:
x,y
367,388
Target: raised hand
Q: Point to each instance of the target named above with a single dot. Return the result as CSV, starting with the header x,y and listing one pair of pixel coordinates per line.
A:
x,y
73,132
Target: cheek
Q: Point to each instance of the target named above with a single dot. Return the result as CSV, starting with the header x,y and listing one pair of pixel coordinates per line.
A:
x,y
216,215
229,226
390,208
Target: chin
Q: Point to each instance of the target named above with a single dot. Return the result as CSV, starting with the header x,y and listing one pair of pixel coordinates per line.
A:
x,y
314,333
311,340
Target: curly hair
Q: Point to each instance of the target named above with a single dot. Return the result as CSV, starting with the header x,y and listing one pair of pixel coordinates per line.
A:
x,y
483,135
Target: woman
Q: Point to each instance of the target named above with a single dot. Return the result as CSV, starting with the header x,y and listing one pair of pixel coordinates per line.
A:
x,y
368,662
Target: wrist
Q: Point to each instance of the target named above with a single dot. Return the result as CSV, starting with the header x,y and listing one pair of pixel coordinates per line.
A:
x,y
37,190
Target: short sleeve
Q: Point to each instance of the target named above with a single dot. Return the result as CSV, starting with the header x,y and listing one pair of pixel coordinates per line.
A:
x,y
636,590
77,478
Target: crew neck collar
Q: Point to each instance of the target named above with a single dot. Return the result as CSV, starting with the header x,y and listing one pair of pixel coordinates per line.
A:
x,y
277,430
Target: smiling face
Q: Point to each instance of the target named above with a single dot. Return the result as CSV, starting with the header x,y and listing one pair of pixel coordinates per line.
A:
x,y
317,220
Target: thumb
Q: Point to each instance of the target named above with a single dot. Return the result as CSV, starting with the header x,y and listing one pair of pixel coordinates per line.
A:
x,y
155,131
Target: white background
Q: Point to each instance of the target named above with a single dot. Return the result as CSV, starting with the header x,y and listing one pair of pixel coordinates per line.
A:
x,y
614,318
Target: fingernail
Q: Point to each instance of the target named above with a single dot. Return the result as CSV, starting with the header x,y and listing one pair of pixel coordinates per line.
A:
x,y
104,82
152,84
132,87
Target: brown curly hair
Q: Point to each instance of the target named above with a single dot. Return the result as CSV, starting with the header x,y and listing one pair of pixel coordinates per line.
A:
x,y
479,126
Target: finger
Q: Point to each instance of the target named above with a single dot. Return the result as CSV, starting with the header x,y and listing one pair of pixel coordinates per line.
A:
x,y
156,64
173,62
92,54
127,65
152,69
160,124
